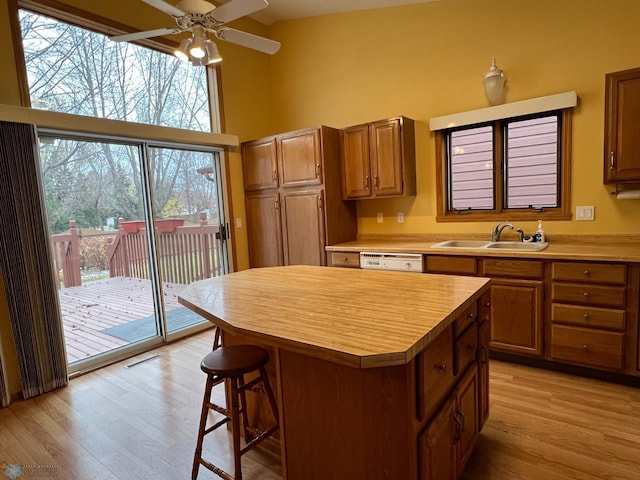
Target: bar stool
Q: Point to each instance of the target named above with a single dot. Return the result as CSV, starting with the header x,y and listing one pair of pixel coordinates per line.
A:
x,y
232,363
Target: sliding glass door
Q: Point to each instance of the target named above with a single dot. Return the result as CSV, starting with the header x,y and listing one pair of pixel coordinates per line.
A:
x,y
131,224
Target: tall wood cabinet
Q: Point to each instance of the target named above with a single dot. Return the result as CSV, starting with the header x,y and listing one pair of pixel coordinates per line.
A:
x,y
293,197
379,159
622,128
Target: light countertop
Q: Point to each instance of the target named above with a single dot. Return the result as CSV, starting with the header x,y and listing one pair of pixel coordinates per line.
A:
x,y
359,318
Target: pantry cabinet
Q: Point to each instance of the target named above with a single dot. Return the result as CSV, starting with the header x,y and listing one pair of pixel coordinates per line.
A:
x,y
622,129
293,198
378,159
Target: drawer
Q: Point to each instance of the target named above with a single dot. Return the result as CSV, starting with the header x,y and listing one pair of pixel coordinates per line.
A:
x,y
447,264
589,272
506,267
588,316
466,349
345,259
435,373
463,321
587,346
587,294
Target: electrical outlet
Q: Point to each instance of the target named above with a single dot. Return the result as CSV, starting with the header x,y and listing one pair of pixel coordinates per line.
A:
x,y
400,217
380,217
585,212
238,222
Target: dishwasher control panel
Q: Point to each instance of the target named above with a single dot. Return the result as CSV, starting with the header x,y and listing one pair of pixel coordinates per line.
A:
x,y
401,262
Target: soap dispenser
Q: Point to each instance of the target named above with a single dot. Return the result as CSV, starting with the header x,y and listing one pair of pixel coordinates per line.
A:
x,y
539,238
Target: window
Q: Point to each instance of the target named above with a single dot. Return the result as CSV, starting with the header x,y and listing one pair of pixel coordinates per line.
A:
x,y
516,168
74,70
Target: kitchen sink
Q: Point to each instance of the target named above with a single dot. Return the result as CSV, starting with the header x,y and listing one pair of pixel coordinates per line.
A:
x,y
484,245
527,247
462,244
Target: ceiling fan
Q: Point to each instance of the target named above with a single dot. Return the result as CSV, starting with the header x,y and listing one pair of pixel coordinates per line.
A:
x,y
201,17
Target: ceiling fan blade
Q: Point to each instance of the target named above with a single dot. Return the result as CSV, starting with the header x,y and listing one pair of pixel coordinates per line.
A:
x,y
236,9
248,40
147,34
165,7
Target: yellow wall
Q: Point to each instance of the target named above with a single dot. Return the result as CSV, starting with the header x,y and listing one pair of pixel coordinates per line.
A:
x,y
429,60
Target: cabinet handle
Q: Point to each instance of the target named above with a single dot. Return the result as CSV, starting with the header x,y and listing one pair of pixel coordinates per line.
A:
x,y
612,160
471,315
587,273
375,181
485,354
488,304
366,181
460,420
275,175
277,204
442,368
317,169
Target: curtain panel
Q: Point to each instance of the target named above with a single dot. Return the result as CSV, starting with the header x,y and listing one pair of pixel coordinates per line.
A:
x,y
26,260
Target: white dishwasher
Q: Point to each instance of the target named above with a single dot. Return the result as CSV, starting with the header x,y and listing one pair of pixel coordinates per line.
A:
x,y
401,262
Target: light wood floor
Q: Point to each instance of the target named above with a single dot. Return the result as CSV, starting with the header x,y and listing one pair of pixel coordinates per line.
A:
x,y
140,423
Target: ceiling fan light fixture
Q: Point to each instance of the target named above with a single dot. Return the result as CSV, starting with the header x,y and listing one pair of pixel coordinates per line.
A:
x,y
182,51
198,48
213,55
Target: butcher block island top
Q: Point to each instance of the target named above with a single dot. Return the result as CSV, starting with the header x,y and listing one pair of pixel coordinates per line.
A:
x,y
358,318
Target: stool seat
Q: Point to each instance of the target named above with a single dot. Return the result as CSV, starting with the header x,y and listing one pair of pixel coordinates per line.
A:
x,y
234,361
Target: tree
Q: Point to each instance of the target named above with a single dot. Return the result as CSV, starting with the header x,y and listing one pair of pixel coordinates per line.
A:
x,y
77,71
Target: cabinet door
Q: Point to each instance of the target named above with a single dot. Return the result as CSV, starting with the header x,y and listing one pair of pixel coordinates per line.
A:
x,y
303,220
466,417
356,172
436,448
386,157
484,337
300,155
622,129
259,161
516,316
264,230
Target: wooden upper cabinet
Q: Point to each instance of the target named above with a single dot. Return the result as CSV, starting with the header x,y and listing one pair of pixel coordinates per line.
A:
x,y
260,165
356,174
622,128
379,159
300,157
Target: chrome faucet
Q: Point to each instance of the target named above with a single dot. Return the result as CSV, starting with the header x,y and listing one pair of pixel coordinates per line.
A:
x,y
497,230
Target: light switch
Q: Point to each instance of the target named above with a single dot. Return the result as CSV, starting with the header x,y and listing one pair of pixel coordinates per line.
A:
x,y
400,217
585,212
380,217
238,222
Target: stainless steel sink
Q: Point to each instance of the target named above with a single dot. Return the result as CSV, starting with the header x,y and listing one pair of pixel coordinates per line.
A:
x,y
520,246
461,244
484,245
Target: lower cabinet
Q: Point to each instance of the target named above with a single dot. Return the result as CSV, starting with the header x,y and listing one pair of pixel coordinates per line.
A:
x,y
264,229
452,433
517,300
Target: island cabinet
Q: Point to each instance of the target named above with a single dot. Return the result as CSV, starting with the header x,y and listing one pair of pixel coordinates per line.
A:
x,y
378,159
622,129
293,199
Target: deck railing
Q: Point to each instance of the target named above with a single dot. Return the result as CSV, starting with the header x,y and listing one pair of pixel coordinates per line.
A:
x,y
186,253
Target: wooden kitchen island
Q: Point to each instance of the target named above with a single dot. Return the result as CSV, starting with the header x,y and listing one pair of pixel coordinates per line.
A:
x,y
379,375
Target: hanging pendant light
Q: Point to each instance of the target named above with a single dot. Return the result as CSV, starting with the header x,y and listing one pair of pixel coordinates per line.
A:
x,y
494,81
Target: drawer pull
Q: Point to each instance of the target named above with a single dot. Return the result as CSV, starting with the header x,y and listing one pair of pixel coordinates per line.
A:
x,y
586,316
442,368
587,273
586,294
344,259
471,315
488,304
585,347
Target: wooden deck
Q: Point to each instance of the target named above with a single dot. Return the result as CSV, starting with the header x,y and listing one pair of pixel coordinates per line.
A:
x,y
95,306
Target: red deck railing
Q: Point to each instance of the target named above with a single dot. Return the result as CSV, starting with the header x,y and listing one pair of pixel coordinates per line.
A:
x,y
186,253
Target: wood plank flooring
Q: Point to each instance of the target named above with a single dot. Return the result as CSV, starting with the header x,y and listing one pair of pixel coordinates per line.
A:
x,y
120,423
